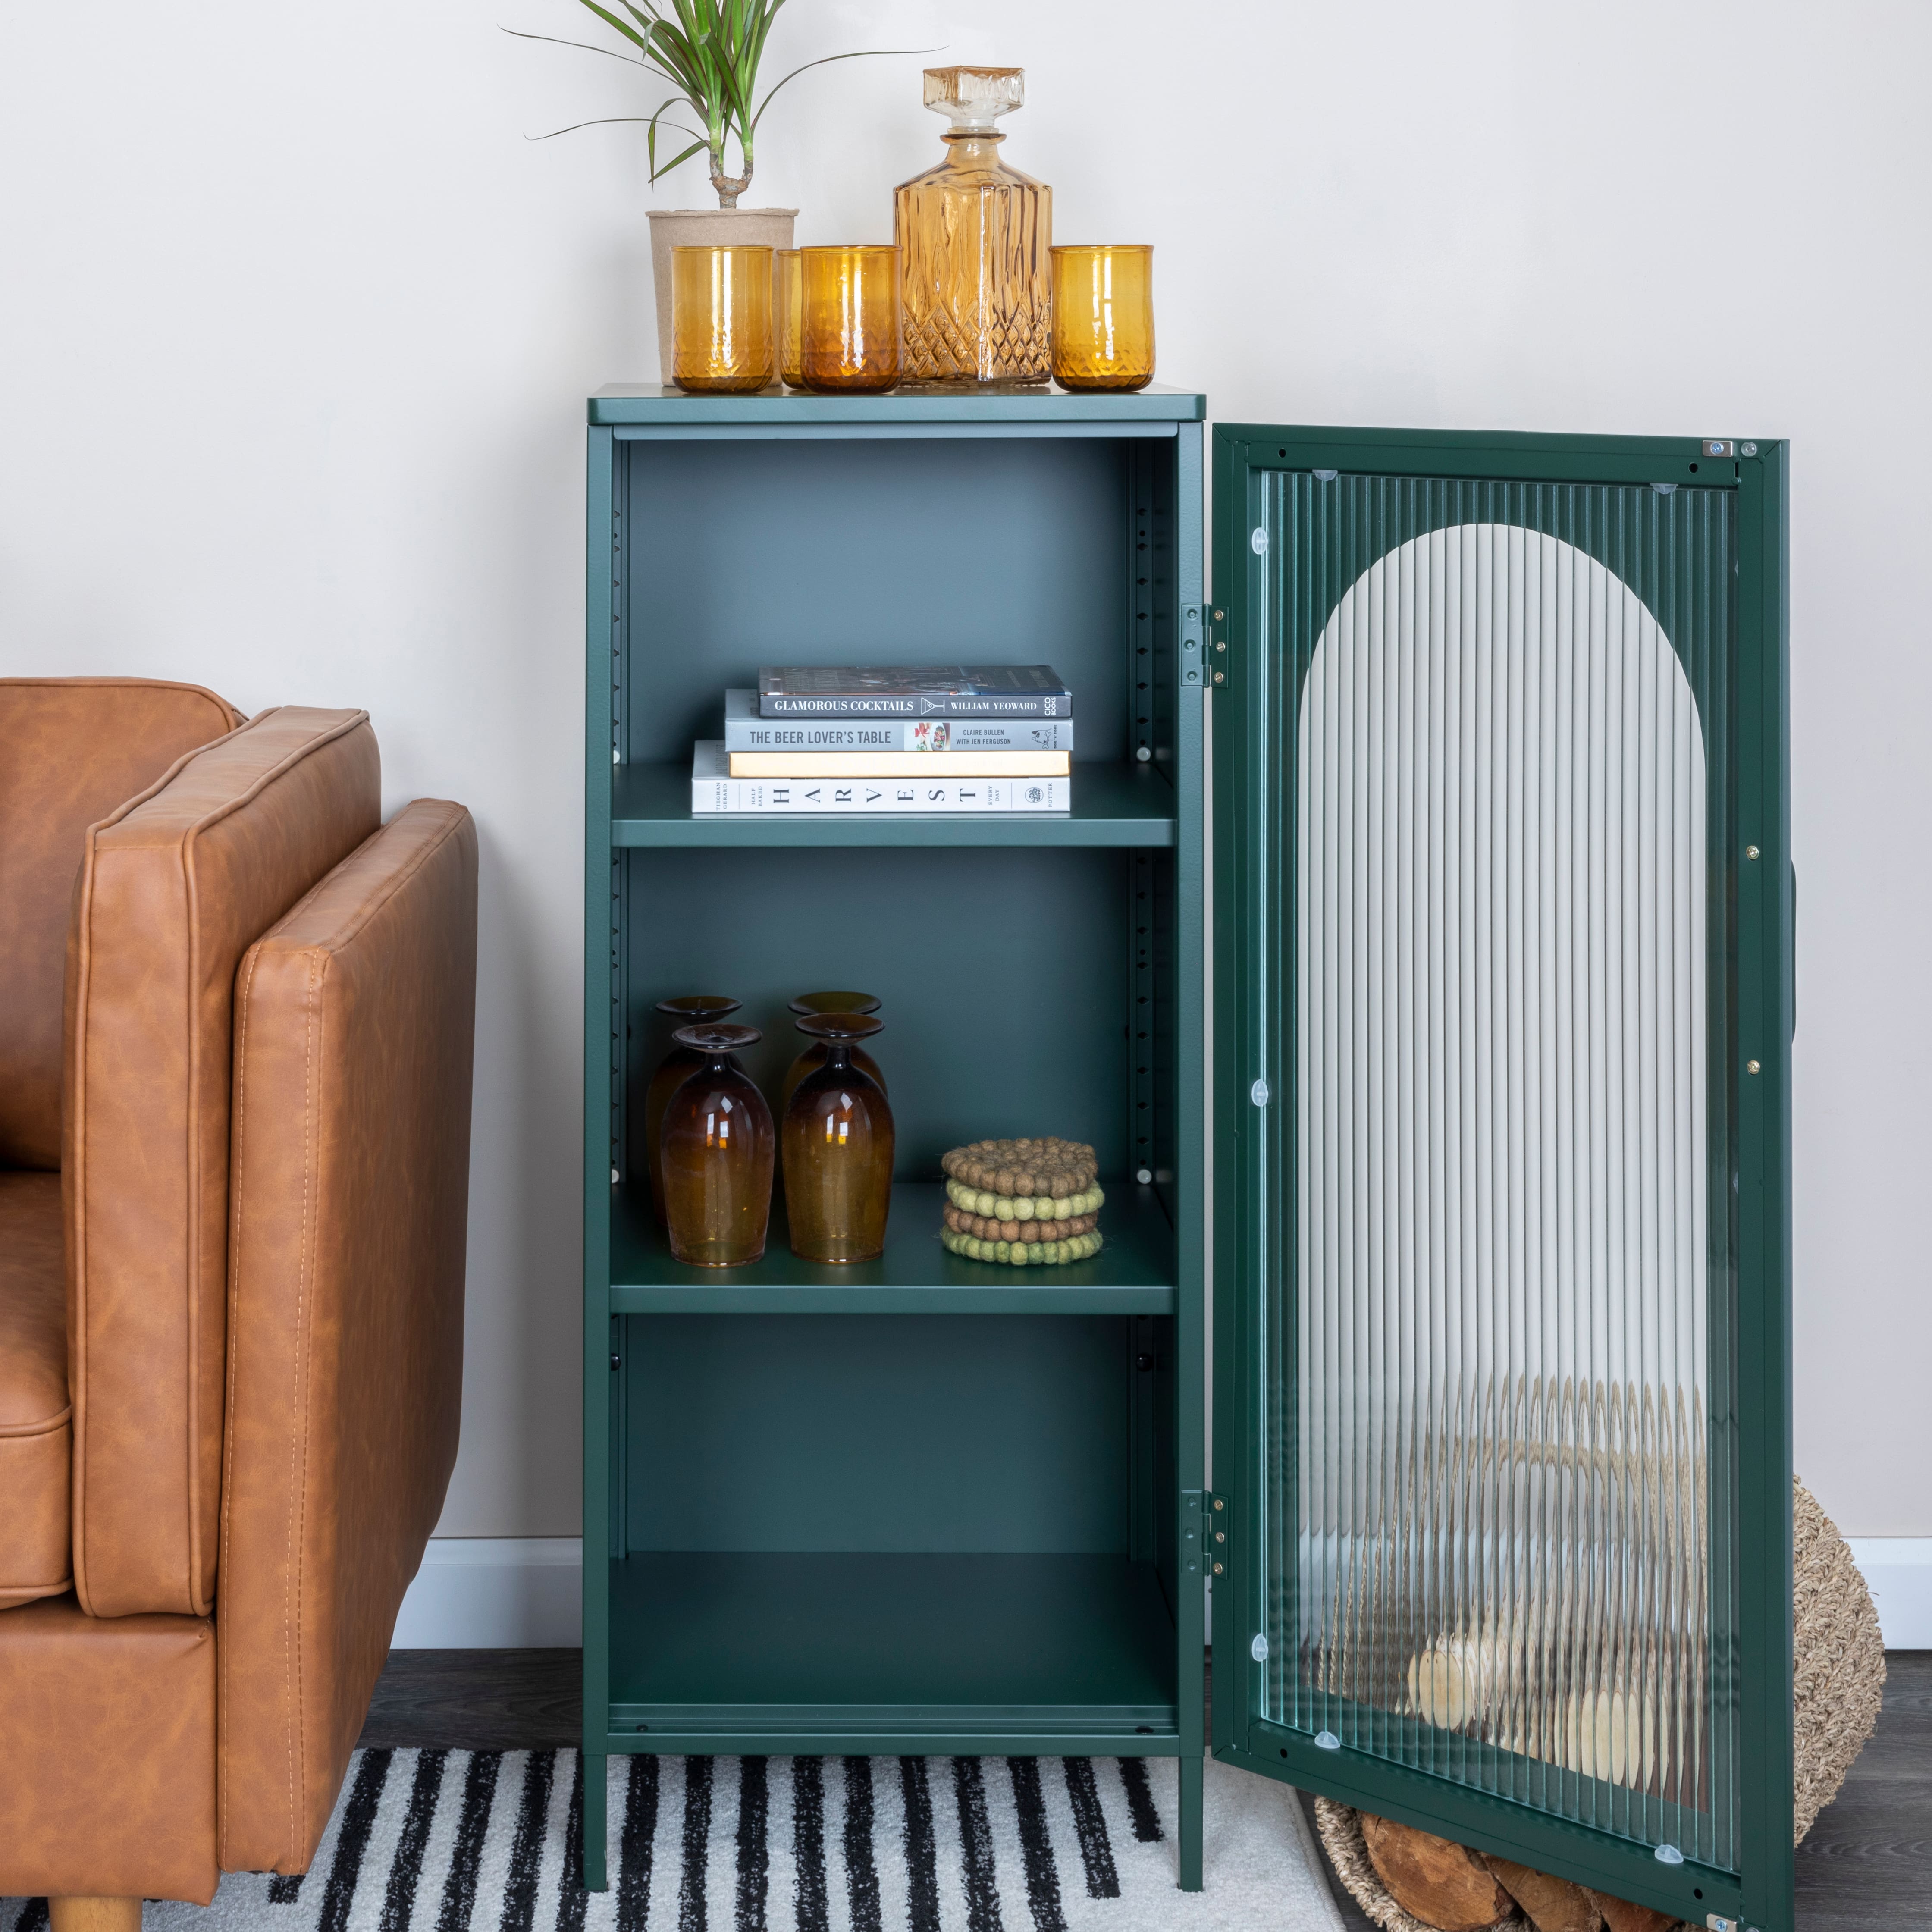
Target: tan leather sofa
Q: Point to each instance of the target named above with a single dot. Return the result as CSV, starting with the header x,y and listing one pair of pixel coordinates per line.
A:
x,y
236,1018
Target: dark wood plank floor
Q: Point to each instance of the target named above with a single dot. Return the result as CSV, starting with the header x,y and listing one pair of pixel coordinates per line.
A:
x,y
1867,1864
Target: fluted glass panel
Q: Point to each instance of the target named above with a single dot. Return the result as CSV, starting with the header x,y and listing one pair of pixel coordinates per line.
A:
x,y
1489,1454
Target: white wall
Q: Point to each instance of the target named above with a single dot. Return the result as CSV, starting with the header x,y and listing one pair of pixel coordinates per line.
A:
x,y
296,324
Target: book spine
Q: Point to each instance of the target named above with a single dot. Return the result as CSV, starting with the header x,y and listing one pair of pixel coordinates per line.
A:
x,y
839,796
934,767
899,734
937,704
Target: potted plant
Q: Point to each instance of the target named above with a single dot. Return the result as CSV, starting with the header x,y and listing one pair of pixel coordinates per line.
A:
x,y
707,51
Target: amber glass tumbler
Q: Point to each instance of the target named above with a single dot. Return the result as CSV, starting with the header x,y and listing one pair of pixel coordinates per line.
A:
x,y
838,1149
791,320
851,319
813,1058
673,1070
1103,317
721,306
716,1154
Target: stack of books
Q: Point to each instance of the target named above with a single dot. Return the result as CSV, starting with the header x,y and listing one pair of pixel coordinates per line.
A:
x,y
955,738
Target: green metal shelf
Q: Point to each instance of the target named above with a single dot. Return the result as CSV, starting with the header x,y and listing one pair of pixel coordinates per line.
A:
x,y
1133,1274
1113,804
888,1651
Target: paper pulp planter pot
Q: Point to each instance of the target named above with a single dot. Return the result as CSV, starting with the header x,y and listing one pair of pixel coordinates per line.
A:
x,y
707,227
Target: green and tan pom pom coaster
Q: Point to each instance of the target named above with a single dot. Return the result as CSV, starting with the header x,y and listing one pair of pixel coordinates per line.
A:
x,y
1022,1254
984,1228
1022,1206
1051,1167
1025,1203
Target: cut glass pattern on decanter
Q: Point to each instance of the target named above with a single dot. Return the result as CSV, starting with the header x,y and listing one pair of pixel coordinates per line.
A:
x,y
974,235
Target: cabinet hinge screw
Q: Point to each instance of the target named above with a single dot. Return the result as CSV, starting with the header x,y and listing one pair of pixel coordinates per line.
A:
x,y
1751,1066
1220,677
1217,1569
1750,851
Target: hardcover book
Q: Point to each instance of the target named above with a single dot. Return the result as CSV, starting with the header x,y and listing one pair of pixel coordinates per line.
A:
x,y
745,731
913,691
933,765
713,789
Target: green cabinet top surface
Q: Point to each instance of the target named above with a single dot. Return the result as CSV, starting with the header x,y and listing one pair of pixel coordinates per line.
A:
x,y
652,402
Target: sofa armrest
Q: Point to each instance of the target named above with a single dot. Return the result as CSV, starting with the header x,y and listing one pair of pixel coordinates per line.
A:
x,y
354,1025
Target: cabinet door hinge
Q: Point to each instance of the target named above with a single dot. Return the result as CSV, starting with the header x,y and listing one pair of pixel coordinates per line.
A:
x,y
1220,1522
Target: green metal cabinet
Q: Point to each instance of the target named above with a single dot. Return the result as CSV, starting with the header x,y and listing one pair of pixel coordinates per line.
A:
x,y
1482,741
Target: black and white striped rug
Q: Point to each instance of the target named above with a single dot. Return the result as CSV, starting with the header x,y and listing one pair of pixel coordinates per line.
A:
x,y
487,1841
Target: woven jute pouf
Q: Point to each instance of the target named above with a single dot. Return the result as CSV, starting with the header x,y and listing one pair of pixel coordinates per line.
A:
x,y
1837,1684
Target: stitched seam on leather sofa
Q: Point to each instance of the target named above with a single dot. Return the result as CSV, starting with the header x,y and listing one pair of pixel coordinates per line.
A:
x,y
304,1356
24,1432
241,1139
222,708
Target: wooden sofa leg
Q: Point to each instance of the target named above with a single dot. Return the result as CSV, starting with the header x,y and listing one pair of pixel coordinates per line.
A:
x,y
95,1915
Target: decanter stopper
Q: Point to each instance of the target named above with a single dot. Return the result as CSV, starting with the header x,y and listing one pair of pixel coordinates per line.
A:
x,y
974,97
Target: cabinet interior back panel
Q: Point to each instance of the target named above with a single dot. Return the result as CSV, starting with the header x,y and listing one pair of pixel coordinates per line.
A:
x,y
925,1432
1006,994
892,551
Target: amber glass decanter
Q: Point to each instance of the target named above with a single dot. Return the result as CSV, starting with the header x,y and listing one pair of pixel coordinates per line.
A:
x,y
974,235
673,1070
814,1055
716,1154
838,1149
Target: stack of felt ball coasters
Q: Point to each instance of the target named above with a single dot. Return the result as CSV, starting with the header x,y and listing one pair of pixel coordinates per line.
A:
x,y
1028,1203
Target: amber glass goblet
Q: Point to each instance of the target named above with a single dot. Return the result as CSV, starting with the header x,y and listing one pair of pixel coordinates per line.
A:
x,y
1103,317
716,1154
791,318
838,1149
851,319
814,1055
673,1070
720,308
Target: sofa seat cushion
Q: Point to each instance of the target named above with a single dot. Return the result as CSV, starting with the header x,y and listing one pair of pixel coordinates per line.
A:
x,y
36,1416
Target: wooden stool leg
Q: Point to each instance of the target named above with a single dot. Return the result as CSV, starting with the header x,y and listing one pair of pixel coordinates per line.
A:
x,y
95,1915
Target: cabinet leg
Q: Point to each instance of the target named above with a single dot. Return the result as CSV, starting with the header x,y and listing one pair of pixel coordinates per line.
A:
x,y
1193,1776
596,1786
95,1915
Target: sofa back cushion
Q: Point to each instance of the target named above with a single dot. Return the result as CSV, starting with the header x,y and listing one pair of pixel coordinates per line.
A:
x,y
173,889
71,749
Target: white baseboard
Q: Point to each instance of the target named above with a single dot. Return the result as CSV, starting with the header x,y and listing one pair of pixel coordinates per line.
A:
x,y
516,1592
495,1593
1898,1572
